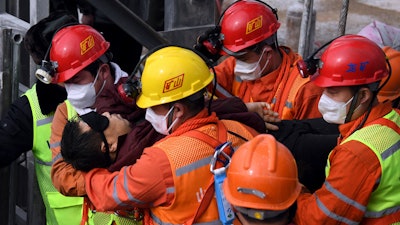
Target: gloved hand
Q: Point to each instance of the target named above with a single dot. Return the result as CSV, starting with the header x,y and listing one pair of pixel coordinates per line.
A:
x,y
210,44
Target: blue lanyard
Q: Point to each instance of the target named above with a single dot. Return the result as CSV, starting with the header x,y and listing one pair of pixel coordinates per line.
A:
x,y
226,215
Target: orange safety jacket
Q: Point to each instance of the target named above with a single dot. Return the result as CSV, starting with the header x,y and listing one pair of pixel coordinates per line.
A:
x,y
292,96
357,178
181,161
196,164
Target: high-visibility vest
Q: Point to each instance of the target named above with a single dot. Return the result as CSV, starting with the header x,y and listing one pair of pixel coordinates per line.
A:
x,y
60,209
385,199
186,164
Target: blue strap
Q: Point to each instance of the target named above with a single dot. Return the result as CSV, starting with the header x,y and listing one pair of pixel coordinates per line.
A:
x,y
226,215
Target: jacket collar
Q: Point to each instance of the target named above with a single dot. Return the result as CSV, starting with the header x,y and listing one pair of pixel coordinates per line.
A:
x,y
377,111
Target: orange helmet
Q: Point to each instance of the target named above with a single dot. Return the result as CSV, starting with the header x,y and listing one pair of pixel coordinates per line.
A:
x,y
75,47
391,90
262,175
246,23
351,60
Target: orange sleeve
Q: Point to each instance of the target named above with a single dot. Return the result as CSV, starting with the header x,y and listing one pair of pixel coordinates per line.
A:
x,y
57,128
306,102
66,179
344,195
225,75
143,184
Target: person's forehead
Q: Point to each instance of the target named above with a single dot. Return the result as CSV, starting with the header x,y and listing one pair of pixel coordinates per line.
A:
x,y
338,88
83,126
246,56
81,77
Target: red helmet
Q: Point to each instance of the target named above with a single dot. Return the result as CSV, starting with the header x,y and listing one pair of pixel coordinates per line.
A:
x,y
391,90
351,60
262,175
246,23
75,47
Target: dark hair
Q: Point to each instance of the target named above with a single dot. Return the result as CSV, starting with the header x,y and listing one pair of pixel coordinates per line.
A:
x,y
194,102
38,37
270,41
83,149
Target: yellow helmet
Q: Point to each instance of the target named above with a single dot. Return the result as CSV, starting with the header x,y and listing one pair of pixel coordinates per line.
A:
x,y
170,74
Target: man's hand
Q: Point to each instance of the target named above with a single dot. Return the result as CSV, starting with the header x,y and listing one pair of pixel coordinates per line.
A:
x,y
117,127
264,110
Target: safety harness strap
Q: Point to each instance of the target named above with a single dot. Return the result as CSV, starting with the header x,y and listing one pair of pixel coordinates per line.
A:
x,y
222,136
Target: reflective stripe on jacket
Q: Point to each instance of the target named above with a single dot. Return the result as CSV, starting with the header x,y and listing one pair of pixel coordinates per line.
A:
x,y
382,136
58,206
189,161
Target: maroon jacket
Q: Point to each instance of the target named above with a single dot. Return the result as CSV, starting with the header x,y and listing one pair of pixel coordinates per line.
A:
x,y
143,135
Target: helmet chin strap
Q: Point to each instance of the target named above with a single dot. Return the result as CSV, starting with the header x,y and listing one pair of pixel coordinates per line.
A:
x,y
375,88
352,106
352,109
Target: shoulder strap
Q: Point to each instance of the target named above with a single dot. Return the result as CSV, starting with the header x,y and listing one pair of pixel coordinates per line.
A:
x,y
85,211
386,122
222,135
213,142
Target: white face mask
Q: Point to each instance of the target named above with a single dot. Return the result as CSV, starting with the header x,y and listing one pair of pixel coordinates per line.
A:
x,y
333,111
250,71
159,122
83,96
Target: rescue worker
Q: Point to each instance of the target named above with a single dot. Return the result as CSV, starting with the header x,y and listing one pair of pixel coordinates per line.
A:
x,y
92,82
256,68
81,60
172,176
261,182
311,140
361,184
386,37
26,126
391,90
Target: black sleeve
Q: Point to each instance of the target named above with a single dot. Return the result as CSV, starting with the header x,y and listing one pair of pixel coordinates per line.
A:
x,y
16,131
310,141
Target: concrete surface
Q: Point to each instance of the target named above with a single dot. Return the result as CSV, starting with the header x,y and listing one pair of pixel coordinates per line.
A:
x,y
360,14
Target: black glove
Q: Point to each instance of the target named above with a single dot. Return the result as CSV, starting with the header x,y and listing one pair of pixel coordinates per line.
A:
x,y
210,44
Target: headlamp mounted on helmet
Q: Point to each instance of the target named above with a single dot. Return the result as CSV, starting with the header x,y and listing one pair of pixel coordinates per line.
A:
x,y
260,214
46,71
